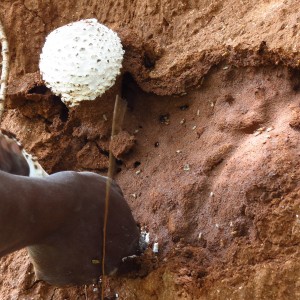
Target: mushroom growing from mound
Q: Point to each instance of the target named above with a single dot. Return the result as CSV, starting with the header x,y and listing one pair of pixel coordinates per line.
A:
x,y
81,60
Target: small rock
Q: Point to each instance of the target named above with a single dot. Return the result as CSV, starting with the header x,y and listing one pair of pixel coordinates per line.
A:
x,y
186,167
155,248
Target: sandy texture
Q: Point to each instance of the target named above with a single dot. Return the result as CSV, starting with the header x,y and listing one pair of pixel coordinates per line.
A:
x,y
209,155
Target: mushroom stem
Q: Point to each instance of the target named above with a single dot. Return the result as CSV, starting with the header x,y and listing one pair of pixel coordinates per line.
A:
x,y
5,68
118,116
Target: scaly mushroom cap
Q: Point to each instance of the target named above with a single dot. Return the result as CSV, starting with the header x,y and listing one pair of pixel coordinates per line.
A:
x,y
81,60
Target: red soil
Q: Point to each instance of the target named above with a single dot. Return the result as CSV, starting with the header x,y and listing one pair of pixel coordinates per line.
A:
x,y
209,156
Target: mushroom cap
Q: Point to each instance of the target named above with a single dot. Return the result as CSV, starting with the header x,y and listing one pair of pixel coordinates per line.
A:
x,y
81,60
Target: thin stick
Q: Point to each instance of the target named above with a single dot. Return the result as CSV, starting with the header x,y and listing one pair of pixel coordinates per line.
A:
x,y
5,68
118,116
85,293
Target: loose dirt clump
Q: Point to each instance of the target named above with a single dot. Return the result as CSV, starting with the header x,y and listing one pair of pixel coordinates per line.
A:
x,y
121,144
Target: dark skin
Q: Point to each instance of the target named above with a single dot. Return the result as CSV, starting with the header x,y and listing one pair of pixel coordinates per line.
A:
x,y
11,159
60,219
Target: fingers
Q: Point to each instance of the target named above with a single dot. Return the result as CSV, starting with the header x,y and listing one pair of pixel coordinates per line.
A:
x,y
11,157
14,147
4,143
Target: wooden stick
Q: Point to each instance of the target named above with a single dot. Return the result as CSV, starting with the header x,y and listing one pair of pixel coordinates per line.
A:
x,y
118,117
5,68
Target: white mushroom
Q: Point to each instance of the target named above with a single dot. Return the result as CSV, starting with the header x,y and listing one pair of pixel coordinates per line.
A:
x,y
81,60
